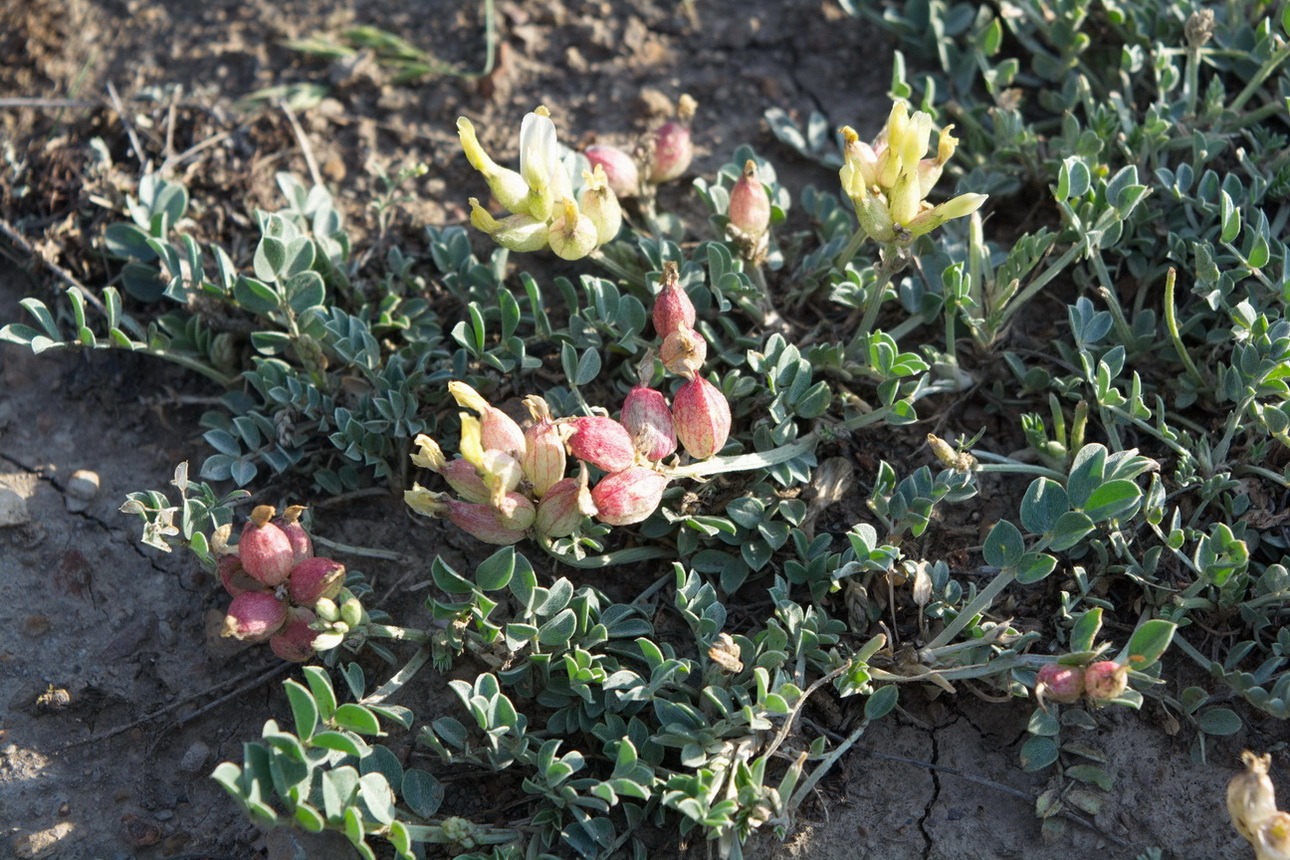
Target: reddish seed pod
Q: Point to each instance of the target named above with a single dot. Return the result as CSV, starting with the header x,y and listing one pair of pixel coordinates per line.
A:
x,y
265,550
254,616
295,641
749,206
672,307
465,480
702,418
620,168
564,507
649,421
314,578
602,442
629,496
234,579
1058,683
1105,680
673,150
482,522
544,458
302,546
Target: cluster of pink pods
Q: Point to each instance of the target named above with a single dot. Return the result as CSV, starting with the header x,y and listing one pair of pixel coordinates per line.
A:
x,y
512,481
275,580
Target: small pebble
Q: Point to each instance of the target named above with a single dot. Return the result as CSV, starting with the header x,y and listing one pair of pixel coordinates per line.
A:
x,y
194,759
43,843
13,509
82,487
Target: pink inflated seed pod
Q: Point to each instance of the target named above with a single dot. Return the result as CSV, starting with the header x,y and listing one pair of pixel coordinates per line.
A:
x,y
672,307
295,641
671,145
749,210
629,496
1057,683
1105,680
600,441
265,550
314,578
564,507
620,168
544,457
254,616
701,415
649,421
302,546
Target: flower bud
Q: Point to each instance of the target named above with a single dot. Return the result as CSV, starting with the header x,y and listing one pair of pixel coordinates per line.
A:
x,y
566,504
955,207
672,307
314,578
629,496
327,609
460,474
543,462
519,233
1105,680
649,421
295,641
860,168
482,521
601,441
265,550
1058,683
749,205
572,235
600,205
683,352
497,429
1251,798
302,546
507,186
672,148
352,613
234,578
254,616
620,169
702,418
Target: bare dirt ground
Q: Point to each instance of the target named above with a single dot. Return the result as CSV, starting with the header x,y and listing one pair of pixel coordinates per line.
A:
x,y
101,634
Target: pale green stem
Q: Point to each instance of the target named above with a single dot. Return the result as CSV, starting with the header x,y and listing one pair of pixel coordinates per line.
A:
x,y
978,606
365,552
402,634
1272,476
609,559
614,268
823,767
1019,300
392,686
1258,80
844,259
872,304
1171,322
745,462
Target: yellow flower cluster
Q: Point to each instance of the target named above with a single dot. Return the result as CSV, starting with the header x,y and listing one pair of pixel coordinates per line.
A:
x,y
889,181
540,198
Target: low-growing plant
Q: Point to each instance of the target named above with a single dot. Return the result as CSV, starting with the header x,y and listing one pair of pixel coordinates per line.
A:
x,y
1124,165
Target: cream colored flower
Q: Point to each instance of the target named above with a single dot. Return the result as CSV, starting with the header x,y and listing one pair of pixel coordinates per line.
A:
x,y
889,181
